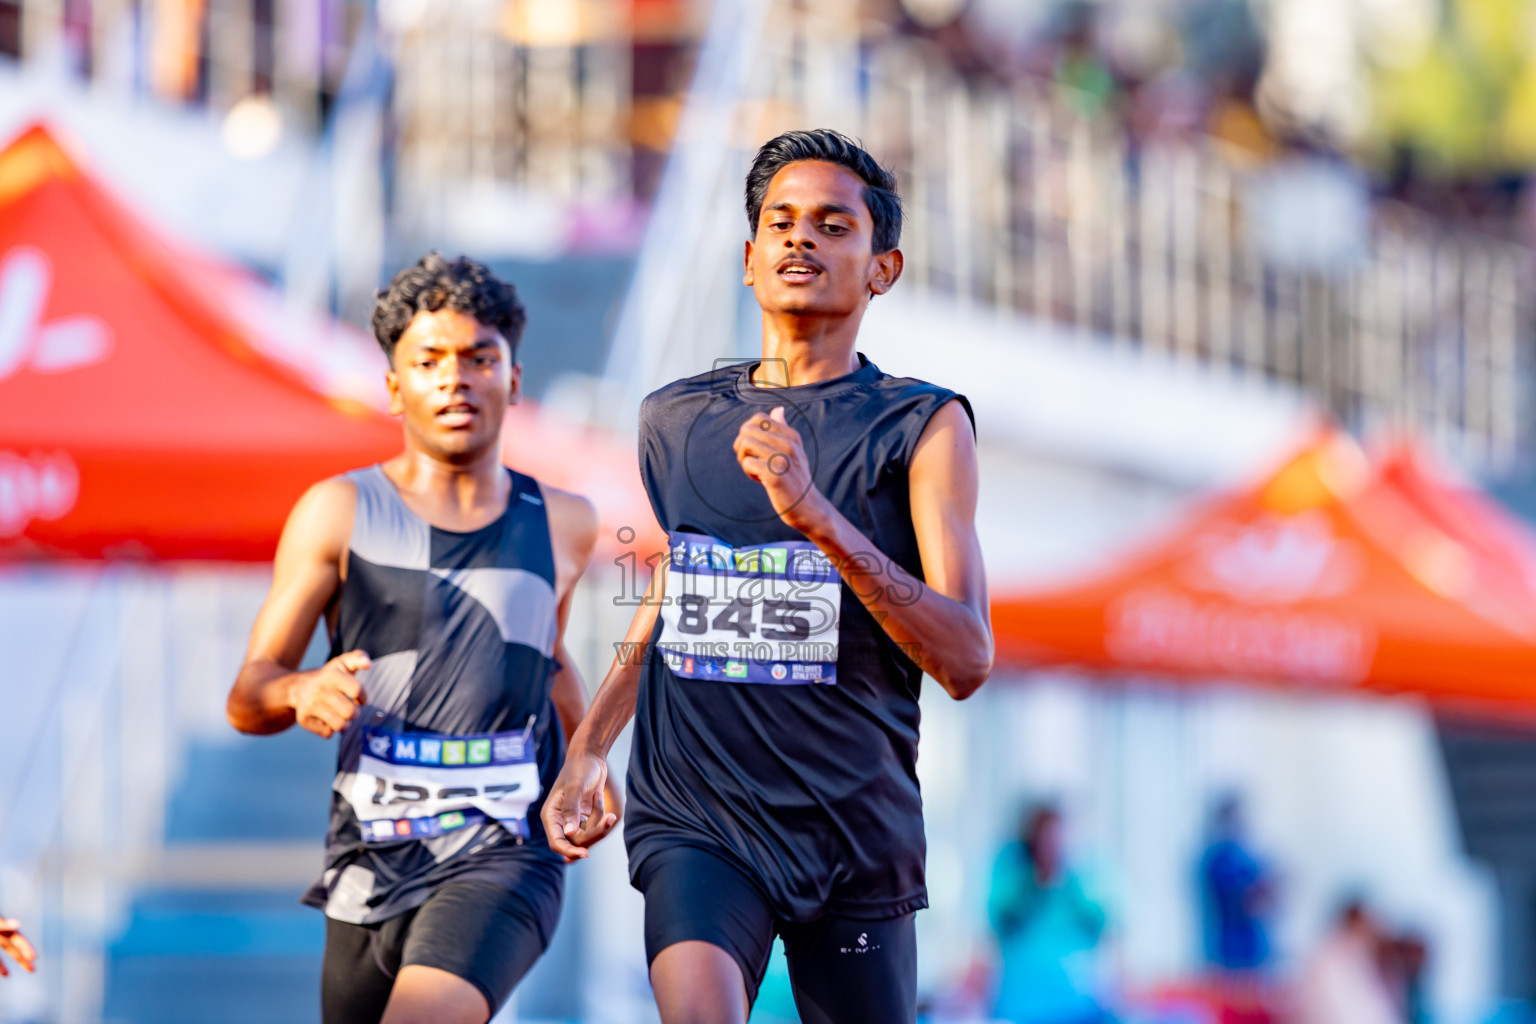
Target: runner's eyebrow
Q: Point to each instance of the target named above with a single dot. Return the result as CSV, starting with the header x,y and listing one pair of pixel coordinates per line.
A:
x,y
788,207
479,343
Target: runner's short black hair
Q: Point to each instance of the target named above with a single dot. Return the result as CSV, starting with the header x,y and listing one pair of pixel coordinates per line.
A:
x,y
435,282
835,148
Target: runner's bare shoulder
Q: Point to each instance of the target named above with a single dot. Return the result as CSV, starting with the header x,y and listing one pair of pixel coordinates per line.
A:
x,y
320,525
572,528
572,514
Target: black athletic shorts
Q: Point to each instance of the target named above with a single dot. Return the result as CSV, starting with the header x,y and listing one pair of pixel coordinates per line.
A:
x,y
481,932
842,970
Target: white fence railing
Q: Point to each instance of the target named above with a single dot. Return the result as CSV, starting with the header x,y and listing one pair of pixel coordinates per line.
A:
x,y
492,111
1018,199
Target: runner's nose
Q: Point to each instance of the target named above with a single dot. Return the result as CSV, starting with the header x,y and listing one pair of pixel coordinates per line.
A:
x,y
450,374
800,236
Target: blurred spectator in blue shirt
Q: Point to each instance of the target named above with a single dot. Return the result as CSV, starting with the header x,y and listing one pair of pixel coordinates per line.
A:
x,y
1236,891
1048,928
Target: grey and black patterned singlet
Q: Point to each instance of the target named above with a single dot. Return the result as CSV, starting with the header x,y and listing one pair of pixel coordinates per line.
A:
x,y
461,628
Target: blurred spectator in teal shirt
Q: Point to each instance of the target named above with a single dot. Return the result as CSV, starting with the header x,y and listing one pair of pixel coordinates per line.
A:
x,y
1048,928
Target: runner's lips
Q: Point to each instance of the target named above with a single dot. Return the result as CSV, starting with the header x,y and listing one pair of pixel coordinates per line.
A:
x,y
798,268
457,414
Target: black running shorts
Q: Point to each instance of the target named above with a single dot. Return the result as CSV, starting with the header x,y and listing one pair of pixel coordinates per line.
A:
x,y
842,970
483,933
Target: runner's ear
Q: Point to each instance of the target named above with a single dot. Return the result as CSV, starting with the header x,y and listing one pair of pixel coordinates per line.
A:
x,y
888,267
515,390
392,383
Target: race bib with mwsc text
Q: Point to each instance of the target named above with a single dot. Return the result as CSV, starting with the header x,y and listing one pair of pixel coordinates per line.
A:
x,y
416,785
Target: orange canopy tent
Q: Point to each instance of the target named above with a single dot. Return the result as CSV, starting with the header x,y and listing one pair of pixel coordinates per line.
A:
x,y
1328,572
1501,541
154,402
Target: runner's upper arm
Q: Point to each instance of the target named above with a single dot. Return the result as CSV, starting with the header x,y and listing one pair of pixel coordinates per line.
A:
x,y
942,479
573,525
306,572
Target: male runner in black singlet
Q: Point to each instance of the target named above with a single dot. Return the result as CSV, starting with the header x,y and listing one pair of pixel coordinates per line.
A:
x,y
822,557
445,580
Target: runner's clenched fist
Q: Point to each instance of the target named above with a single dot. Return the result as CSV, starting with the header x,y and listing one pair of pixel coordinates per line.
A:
x,y
326,699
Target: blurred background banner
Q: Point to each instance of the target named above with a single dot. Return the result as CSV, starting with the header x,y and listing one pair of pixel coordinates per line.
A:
x,y
1241,292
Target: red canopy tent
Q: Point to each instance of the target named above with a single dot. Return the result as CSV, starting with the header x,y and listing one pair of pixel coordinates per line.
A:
x,y
137,413
154,402
1328,572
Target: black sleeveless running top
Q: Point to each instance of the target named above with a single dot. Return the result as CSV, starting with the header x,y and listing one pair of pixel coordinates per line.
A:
x,y
800,767
461,628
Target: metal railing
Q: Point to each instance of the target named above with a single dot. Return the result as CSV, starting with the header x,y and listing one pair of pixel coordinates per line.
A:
x,y
212,54
487,105
1018,199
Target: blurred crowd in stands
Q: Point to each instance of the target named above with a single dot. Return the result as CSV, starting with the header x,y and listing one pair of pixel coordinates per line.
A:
x,y
1440,108
1435,98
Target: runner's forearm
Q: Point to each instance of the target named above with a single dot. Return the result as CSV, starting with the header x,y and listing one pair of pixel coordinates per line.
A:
x,y
614,703
611,710
948,638
260,703
568,694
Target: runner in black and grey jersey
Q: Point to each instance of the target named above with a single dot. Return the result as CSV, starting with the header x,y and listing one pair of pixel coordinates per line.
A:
x,y
823,556
445,580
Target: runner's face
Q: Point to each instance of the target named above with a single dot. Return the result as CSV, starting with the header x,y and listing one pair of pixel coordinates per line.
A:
x,y
452,380
813,253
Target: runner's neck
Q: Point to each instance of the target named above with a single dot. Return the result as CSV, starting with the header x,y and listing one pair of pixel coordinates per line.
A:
x,y
455,498
795,364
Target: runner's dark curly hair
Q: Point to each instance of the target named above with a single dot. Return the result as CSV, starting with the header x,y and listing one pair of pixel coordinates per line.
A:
x,y
436,282
835,148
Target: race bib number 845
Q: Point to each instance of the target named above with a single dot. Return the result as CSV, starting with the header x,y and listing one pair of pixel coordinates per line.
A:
x,y
767,613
